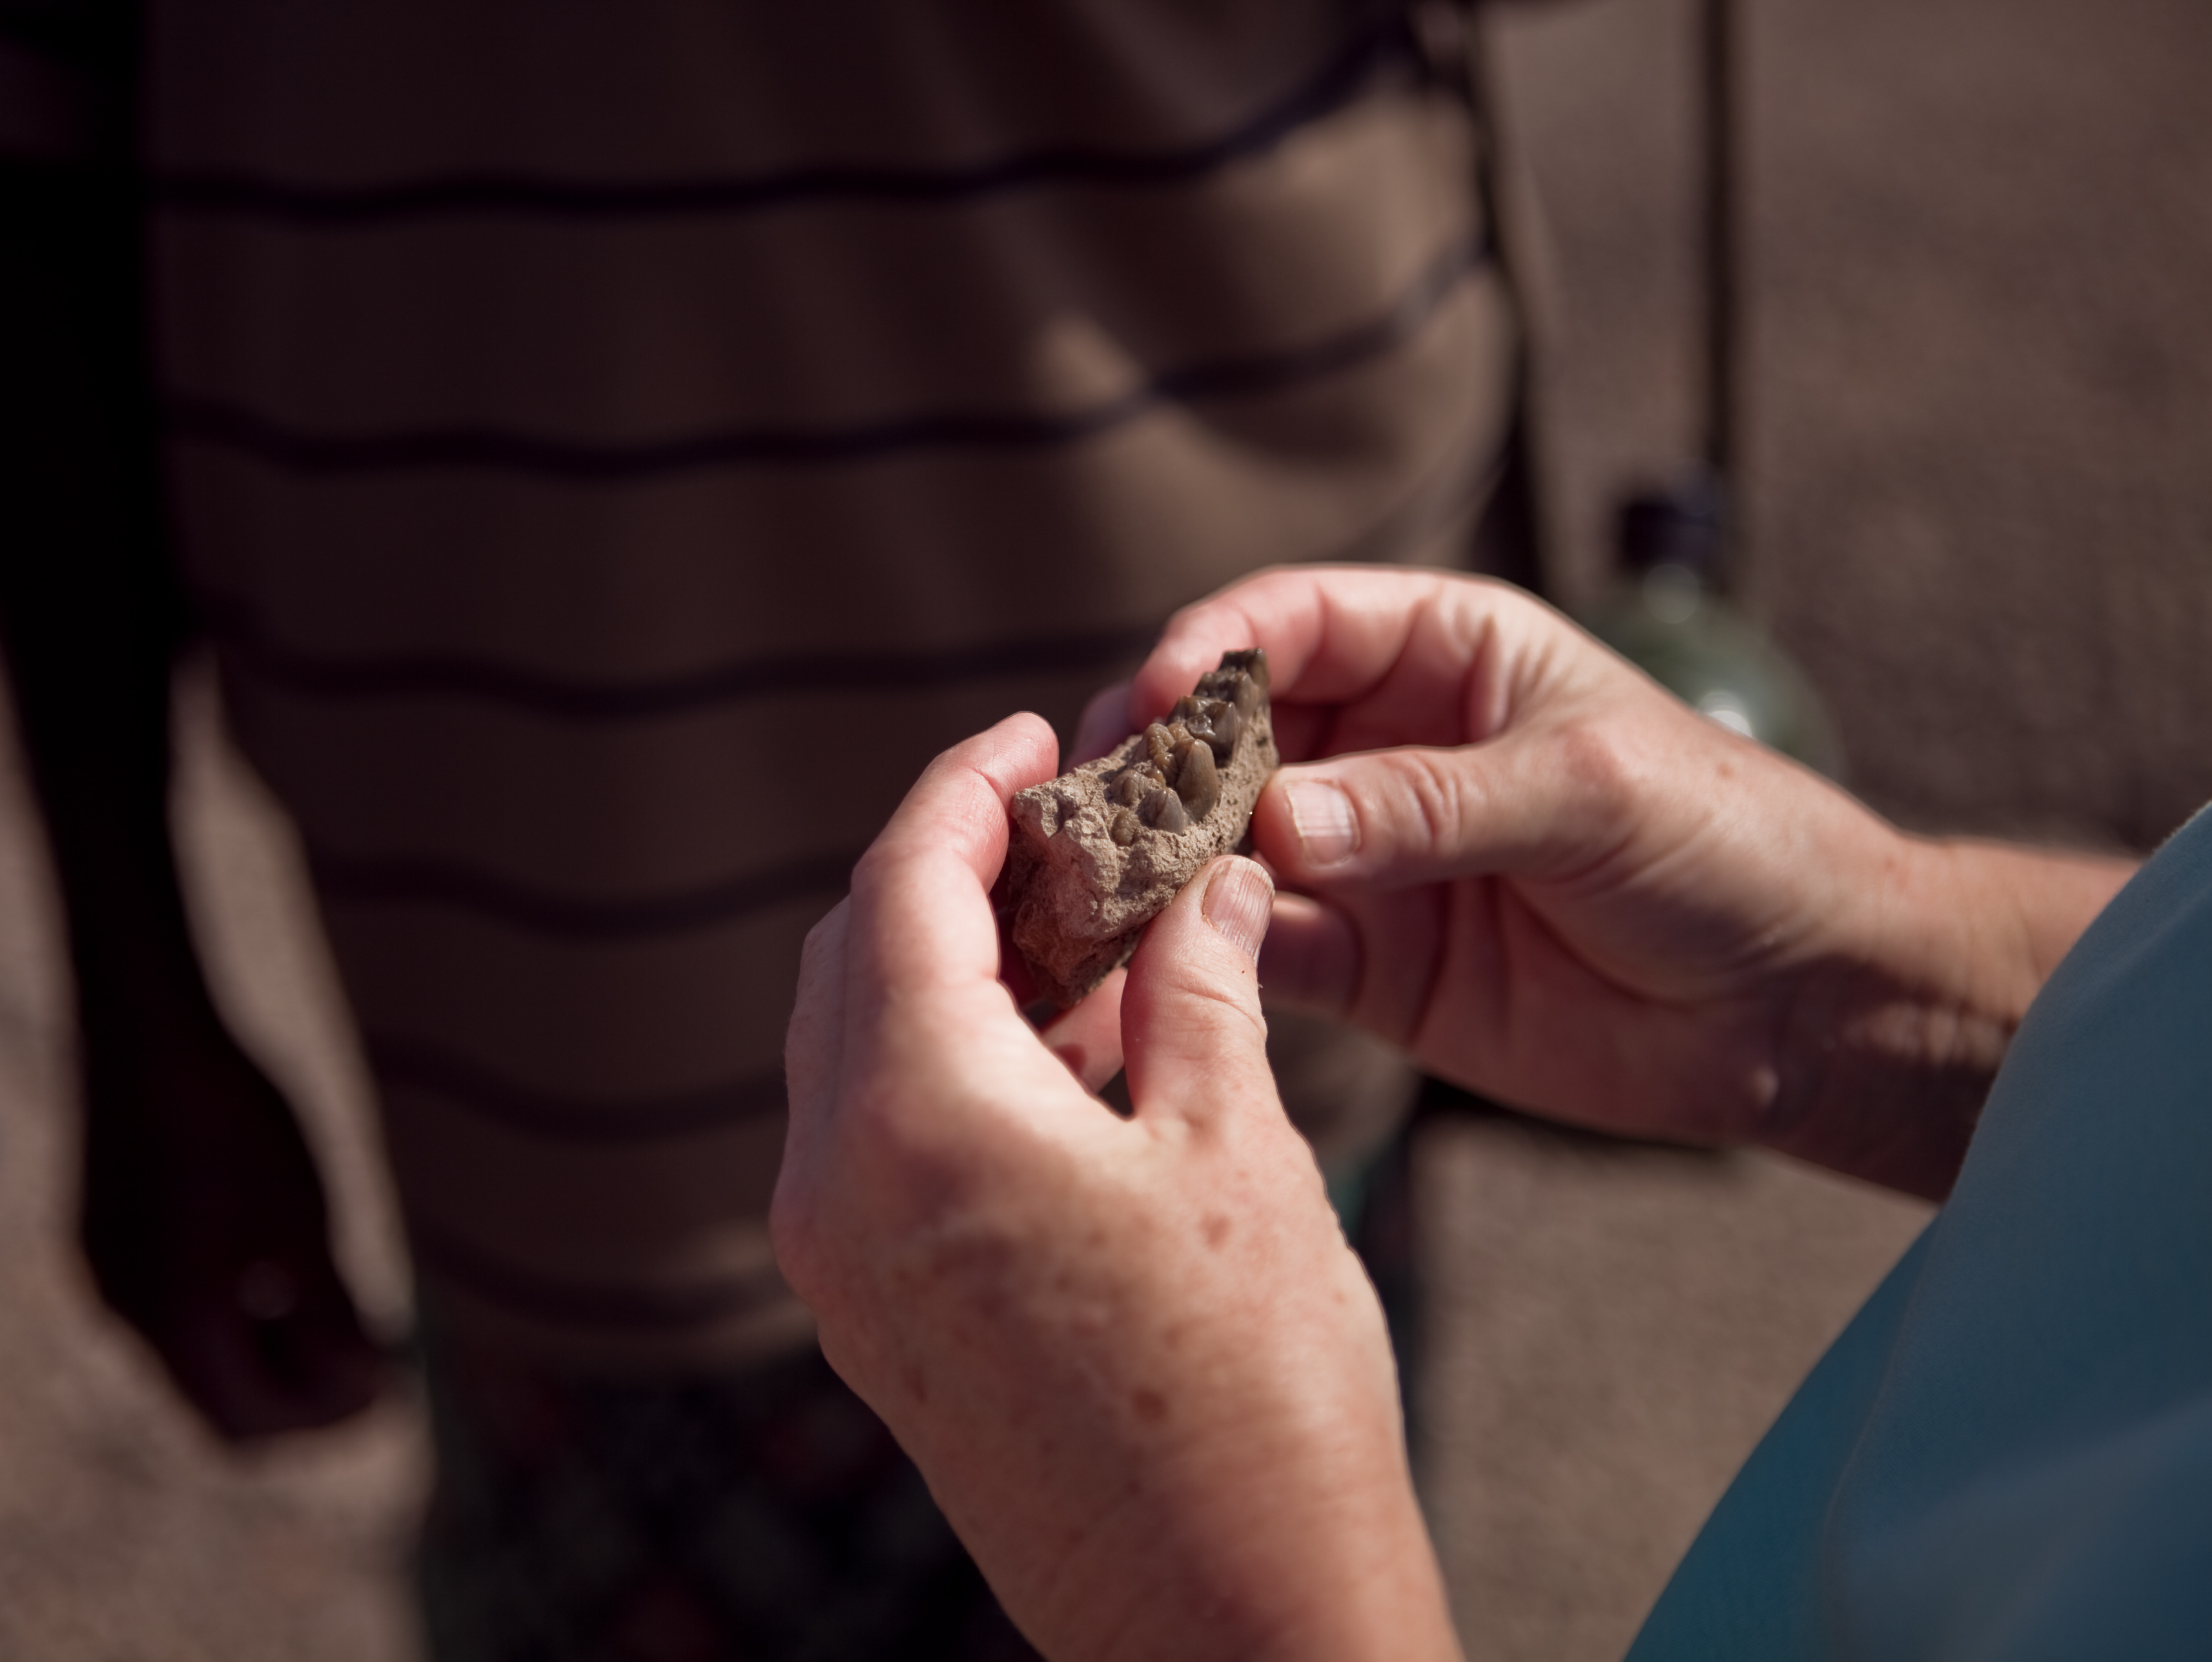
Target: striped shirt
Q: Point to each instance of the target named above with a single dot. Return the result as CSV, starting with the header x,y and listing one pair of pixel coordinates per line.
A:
x,y
614,445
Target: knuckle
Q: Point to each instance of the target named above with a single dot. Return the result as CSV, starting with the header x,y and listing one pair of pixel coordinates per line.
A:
x,y
1437,799
1206,1006
1603,774
1596,760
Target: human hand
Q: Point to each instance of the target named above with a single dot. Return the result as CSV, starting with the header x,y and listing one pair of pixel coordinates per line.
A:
x,y
1512,854
1145,1376
204,1223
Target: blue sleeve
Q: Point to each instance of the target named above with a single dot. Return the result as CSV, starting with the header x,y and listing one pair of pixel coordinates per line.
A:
x,y
2008,1456
1750,1585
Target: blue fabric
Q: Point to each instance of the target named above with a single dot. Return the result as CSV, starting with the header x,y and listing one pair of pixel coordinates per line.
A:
x,y
2007,1455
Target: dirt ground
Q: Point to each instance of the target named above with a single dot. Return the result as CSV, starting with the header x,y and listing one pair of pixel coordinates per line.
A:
x,y
1979,511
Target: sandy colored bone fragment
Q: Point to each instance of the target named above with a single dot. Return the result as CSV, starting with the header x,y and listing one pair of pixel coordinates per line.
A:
x,y
1084,873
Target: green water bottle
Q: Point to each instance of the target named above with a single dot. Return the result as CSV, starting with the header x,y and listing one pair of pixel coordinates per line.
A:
x,y
1668,616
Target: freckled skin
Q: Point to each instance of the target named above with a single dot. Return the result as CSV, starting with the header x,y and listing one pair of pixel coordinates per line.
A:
x,y
1098,1337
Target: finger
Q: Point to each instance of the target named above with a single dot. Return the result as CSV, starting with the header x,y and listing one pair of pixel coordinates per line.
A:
x,y
1367,957
920,911
1088,1039
1332,633
925,1015
812,1043
1191,1034
1311,959
813,1055
1543,801
1105,723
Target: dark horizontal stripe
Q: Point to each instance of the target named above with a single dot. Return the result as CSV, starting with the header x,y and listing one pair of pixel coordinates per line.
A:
x,y
633,1308
1381,41
252,646
247,640
464,888
1432,506
1452,494
434,1071
283,445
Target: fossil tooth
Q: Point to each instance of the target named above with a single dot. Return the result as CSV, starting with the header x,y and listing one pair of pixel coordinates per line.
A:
x,y
1124,828
1161,748
1252,660
1247,697
1198,782
1163,812
1224,723
1128,788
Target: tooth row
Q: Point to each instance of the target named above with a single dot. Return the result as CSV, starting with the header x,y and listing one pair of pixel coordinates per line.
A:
x,y
1177,780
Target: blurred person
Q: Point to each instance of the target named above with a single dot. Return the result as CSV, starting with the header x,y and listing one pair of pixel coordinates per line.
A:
x,y
1146,1377
609,449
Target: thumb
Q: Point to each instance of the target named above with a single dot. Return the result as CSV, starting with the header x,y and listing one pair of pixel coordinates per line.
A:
x,y
1196,1042
1529,803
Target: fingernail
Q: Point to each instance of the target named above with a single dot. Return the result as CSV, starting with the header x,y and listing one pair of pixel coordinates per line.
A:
x,y
1321,816
1237,901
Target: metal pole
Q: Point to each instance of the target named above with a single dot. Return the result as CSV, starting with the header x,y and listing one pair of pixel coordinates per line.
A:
x,y
1719,68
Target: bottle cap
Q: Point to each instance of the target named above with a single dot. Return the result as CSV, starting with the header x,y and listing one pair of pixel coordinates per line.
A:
x,y
1684,526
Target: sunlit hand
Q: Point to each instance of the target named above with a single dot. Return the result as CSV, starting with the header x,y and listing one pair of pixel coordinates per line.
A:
x,y
1145,1376
1514,855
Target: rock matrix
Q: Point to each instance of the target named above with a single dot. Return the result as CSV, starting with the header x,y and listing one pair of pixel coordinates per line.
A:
x,y
1097,854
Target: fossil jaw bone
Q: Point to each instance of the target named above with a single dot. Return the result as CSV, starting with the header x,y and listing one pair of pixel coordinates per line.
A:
x,y
1098,852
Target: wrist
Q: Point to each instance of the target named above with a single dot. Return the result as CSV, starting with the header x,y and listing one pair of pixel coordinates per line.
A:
x,y
1893,1040
1363,1586
1310,1548
1348,1585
